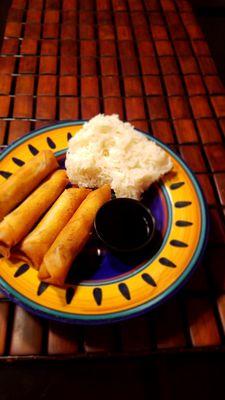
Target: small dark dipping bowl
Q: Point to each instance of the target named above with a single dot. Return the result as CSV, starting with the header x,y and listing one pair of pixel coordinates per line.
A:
x,y
124,225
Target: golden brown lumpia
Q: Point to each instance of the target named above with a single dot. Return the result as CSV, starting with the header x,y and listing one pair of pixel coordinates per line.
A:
x,y
71,240
16,225
26,179
36,244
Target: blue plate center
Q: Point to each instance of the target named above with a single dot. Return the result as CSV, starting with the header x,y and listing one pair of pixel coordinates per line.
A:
x,y
97,264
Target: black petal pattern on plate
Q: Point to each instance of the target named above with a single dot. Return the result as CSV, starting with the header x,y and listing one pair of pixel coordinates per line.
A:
x,y
33,149
124,290
182,204
5,174
97,293
69,135
69,295
42,288
18,162
183,224
50,142
178,243
148,279
21,270
168,263
176,185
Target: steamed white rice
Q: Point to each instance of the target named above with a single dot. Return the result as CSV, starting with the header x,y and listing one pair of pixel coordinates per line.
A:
x,y
107,150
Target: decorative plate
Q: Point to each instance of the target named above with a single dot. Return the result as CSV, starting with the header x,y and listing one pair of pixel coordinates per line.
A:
x,y
104,288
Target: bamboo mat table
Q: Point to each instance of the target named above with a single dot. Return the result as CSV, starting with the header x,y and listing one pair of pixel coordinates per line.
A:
x,y
148,61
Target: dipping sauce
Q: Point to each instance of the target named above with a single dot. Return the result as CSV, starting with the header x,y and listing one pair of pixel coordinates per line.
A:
x,y
124,225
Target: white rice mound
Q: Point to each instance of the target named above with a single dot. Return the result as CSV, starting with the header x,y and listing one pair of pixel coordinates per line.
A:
x,y
107,150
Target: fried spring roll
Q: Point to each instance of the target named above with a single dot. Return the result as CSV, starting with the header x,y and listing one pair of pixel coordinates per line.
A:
x,y
33,248
71,240
26,179
16,225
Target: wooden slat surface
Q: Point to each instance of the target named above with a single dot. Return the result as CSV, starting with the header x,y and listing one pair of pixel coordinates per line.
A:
x,y
202,322
169,326
26,336
4,313
99,339
62,340
135,335
147,61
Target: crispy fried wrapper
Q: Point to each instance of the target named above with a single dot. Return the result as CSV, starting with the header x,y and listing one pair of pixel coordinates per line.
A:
x,y
33,248
16,225
25,180
71,240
